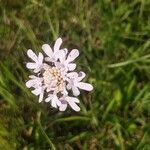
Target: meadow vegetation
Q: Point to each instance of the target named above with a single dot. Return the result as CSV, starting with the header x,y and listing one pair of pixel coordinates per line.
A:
x,y
113,37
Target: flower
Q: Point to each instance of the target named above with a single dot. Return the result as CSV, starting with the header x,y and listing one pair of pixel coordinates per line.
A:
x,y
55,76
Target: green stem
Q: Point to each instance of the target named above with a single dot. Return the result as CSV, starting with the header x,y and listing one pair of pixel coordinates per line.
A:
x,y
44,133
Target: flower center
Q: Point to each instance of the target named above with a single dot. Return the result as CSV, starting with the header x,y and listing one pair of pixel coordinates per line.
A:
x,y
53,79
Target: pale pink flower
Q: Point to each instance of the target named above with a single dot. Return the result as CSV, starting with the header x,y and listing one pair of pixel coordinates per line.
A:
x,y
54,79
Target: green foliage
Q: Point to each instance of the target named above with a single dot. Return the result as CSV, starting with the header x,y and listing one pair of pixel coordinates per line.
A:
x,y
113,37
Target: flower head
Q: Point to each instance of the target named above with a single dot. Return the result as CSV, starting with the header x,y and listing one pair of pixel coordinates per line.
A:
x,y
55,76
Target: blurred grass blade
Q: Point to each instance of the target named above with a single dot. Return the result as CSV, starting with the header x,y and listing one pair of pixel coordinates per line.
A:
x,y
72,118
129,62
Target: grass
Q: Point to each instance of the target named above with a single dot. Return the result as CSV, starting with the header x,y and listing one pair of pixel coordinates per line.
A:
x,y
113,37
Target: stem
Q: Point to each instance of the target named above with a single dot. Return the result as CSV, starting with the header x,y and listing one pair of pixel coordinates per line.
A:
x,y
44,133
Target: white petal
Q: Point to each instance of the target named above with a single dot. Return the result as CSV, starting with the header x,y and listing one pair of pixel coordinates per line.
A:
x,y
68,86
32,55
71,66
48,59
65,50
73,55
54,101
61,55
72,75
31,65
63,107
32,77
57,45
40,58
72,102
36,91
36,70
81,75
85,86
47,99
29,83
47,49
75,91
41,97
58,102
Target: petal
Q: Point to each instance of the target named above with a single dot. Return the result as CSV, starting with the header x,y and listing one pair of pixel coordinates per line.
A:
x,y
31,65
72,102
61,55
72,75
75,91
58,102
63,107
57,45
48,59
49,98
36,70
47,49
29,83
71,66
54,101
32,77
40,58
32,55
65,50
73,55
41,97
36,91
81,75
85,86
68,86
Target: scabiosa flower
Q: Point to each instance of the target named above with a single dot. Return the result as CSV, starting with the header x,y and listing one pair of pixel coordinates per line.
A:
x,y
54,76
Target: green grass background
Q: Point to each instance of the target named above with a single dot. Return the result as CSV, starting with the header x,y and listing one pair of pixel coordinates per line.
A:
x,y
113,37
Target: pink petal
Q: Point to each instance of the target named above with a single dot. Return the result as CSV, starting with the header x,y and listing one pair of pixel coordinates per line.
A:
x,y
41,97
31,65
32,55
68,86
36,70
72,102
32,77
61,55
72,75
75,91
47,49
85,86
36,91
58,102
29,83
54,101
57,45
48,59
73,55
65,50
49,98
81,75
71,66
63,107
40,58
